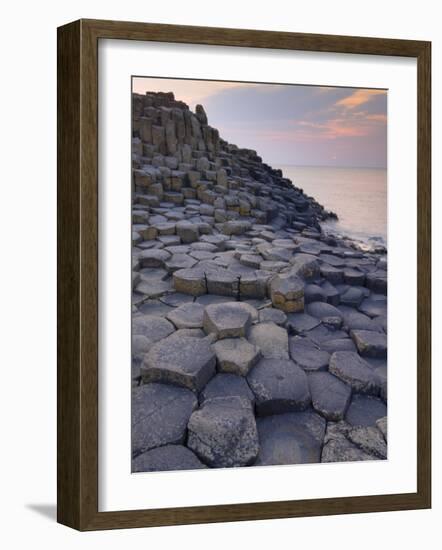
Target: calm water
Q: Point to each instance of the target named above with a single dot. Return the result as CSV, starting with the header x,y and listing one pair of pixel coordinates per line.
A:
x,y
357,195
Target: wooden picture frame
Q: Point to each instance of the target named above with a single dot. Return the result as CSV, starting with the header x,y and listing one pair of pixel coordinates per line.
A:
x,y
78,274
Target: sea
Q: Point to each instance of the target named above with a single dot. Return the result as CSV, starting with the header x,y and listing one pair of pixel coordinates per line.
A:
x,y
357,195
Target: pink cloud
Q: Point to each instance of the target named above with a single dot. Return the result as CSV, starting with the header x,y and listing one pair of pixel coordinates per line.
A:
x,y
358,97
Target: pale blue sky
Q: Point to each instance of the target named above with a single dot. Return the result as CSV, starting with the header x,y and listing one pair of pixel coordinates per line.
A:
x,y
290,124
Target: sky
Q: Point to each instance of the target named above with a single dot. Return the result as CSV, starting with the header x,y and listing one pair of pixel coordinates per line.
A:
x,y
290,124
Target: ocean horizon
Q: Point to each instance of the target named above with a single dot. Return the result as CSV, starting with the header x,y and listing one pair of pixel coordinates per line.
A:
x,y
357,195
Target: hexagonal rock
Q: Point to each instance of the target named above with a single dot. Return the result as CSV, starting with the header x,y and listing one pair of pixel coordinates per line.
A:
x,y
307,355
373,308
223,432
270,314
377,281
352,297
236,227
167,458
337,448
160,414
354,277
305,266
179,261
190,281
330,396
301,322
187,316
354,319
365,410
279,387
152,327
182,360
227,385
227,320
370,440
271,339
322,311
287,292
187,231
353,370
370,343
291,438
223,282
332,274
338,344
155,257
236,355
253,285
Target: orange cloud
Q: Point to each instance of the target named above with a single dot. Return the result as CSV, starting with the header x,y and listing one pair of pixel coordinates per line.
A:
x,y
377,118
357,98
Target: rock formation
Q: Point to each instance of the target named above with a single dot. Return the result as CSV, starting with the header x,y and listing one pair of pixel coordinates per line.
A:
x,y
257,339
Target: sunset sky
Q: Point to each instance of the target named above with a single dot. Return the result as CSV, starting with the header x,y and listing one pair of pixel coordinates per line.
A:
x,y
289,124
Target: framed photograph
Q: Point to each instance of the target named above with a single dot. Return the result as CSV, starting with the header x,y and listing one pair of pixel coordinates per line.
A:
x,y
243,239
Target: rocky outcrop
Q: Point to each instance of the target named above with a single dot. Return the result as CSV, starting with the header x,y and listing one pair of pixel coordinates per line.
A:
x,y
256,338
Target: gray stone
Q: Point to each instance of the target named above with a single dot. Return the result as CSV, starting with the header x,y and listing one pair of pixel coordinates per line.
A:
x,y
287,292
279,386
369,439
177,299
227,320
153,258
235,227
370,343
322,311
330,396
167,458
337,448
353,370
373,308
190,281
354,277
356,320
365,410
236,355
179,261
181,360
223,432
307,355
338,344
305,266
160,414
352,297
227,385
152,327
291,438
301,322
314,293
271,339
223,283
187,231
332,274
187,316
270,314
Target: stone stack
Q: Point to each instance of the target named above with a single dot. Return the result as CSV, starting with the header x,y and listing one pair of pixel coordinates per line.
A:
x,y
256,338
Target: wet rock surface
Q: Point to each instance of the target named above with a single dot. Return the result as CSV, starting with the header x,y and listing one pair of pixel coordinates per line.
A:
x,y
256,338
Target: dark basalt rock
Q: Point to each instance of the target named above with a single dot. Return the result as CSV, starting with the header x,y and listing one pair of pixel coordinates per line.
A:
x,y
160,413
223,432
291,438
167,458
279,386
